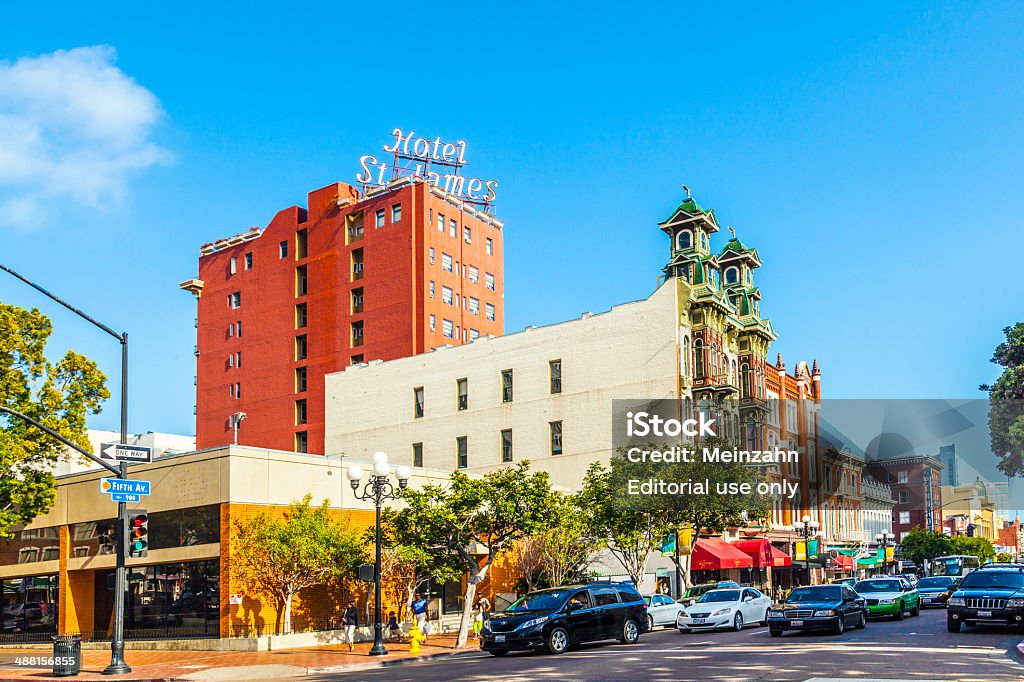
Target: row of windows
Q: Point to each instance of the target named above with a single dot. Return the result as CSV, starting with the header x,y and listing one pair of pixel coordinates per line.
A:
x,y
396,215
453,231
235,329
507,389
505,446
450,330
246,260
470,272
471,303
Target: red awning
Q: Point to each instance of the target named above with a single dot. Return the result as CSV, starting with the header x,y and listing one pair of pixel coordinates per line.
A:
x,y
710,554
756,549
763,553
778,557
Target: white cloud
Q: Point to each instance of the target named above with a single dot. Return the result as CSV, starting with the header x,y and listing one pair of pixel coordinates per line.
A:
x,y
73,127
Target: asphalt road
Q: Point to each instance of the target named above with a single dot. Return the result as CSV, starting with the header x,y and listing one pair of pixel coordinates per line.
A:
x,y
912,649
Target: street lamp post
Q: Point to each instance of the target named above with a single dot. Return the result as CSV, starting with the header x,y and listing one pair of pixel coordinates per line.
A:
x,y
117,663
379,489
885,539
807,529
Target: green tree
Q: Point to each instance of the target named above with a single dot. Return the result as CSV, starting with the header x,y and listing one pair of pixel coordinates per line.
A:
x,y
919,545
979,547
474,520
1006,402
1003,558
567,547
59,396
277,557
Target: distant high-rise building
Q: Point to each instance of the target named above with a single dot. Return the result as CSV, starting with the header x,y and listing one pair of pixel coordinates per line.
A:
x,y
947,455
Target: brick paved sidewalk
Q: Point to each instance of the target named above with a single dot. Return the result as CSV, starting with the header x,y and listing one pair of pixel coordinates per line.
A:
x,y
186,665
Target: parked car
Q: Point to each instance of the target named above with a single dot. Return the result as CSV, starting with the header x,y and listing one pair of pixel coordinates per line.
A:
x,y
849,582
892,596
695,592
935,590
832,608
729,608
661,610
554,620
987,597
28,614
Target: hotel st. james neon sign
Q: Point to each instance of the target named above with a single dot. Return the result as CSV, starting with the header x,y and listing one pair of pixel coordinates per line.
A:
x,y
434,161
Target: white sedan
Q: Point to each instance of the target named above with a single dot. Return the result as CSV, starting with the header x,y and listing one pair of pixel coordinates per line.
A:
x,y
729,608
661,610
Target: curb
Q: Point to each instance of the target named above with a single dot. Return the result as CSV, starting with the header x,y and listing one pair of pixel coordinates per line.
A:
x,y
389,663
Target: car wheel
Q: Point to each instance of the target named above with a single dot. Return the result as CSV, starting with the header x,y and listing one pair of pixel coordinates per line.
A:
x,y
916,611
775,633
840,627
862,621
497,652
953,625
557,641
684,631
899,612
630,632
737,622
650,623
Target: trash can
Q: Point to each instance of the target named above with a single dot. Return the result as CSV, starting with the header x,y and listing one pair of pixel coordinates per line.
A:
x,y
67,655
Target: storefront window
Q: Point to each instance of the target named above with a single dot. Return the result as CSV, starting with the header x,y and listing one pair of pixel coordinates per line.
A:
x,y
184,527
29,608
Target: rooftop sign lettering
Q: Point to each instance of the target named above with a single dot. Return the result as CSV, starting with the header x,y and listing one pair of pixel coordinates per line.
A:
x,y
432,160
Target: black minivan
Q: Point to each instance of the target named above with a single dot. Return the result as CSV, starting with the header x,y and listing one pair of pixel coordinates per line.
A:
x,y
555,619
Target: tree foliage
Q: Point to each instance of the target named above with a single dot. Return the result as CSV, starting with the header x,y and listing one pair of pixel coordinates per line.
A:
x,y
979,547
561,553
1006,402
920,544
59,396
471,521
277,557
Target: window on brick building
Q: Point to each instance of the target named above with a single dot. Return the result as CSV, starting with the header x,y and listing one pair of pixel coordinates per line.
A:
x,y
431,288
453,228
489,281
300,379
447,328
302,441
446,262
902,476
301,347
301,244
904,518
433,322
301,316
357,334
357,300
417,399
248,261
474,306
462,450
462,391
282,249
417,454
474,274
556,437
379,218
555,373
506,385
396,212
473,334
489,311
235,299
431,255
300,412
490,246
440,222
467,235
233,266
446,295
506,445
904,497
301,281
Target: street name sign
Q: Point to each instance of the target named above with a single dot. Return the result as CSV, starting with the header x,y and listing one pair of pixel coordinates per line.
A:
x,y
126,453
121,486
125,497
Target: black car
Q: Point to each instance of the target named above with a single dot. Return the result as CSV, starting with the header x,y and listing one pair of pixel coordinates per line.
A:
x,y
553,620
820,607
935,590
991,596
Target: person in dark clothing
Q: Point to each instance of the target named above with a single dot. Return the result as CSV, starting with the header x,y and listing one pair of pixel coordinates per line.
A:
x,y
350,621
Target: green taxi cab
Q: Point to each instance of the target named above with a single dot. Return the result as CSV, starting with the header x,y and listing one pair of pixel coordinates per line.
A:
x,y
889,596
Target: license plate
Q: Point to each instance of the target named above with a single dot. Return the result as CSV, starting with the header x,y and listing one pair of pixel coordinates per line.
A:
x,y
984,614
698,621
499,638
796,623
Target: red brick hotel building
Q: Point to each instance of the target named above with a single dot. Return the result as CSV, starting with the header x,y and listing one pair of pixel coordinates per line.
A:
x,y
396,271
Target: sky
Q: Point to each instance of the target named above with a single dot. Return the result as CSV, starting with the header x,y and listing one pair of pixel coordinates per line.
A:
x,y
871,152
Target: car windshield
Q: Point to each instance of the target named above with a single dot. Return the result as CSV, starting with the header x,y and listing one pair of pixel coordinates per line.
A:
x,y
879,586
995,579
547,600
934,582
808,594
720,595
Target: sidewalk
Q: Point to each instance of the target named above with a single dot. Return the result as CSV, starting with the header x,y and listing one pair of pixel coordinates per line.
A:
x,y
230,665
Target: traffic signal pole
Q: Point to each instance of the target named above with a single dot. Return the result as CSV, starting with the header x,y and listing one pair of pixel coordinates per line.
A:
x,y
117,665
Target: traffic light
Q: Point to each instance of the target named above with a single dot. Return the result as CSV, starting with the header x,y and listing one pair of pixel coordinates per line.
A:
x,y
138,533
970,530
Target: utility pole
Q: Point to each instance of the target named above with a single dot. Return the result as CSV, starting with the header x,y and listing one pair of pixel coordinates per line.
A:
x,y
117,664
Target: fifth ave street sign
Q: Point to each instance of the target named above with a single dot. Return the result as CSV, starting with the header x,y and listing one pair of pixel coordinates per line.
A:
x,y
125,453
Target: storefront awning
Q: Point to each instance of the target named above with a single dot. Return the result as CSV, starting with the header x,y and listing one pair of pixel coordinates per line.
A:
x,y
710,554
867,561
778,557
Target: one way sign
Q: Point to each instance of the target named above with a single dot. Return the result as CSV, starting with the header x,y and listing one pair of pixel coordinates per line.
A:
x,y
125,453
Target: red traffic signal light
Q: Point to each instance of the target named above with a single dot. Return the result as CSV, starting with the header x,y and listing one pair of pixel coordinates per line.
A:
x,y
138,533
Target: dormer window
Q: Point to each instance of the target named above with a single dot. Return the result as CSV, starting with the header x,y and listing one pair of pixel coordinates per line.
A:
x,y
684,240
732,275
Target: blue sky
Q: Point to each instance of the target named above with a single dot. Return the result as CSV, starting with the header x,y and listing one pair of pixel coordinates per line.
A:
x,y
870,153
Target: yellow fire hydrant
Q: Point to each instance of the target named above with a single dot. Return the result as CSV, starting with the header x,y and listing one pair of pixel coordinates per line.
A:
x,y
415,638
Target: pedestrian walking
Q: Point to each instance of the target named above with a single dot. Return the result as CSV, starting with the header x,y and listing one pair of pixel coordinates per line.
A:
x,y
349,622
483,612
419,612
394,630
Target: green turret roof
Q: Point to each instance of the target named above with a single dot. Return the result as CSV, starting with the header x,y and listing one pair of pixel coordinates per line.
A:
x,y
734,244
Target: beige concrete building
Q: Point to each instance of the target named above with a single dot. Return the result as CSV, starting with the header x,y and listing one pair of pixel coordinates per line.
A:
x,y
543,394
